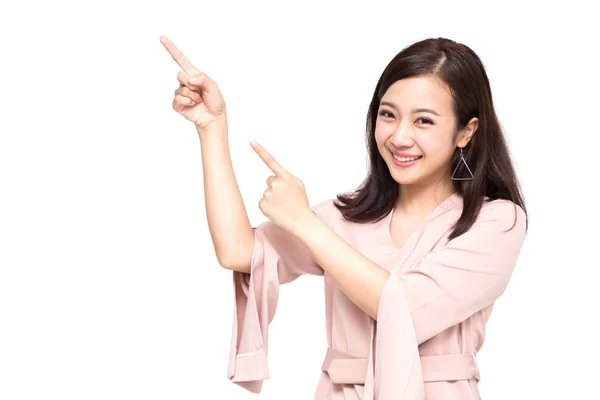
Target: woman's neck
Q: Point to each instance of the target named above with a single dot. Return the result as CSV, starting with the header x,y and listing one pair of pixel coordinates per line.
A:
x,y
420,201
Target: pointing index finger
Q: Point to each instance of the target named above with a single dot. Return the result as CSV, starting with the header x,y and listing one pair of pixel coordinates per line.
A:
x,y
178,56
268,159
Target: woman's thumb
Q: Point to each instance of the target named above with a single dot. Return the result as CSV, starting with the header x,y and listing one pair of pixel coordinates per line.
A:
x,y
202,80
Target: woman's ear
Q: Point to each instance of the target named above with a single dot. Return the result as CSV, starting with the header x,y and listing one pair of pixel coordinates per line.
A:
x,y
465,135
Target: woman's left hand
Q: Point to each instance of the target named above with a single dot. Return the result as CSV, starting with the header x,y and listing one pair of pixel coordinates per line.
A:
x,y
285,201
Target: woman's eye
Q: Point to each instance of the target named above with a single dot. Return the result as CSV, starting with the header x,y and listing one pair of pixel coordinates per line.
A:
x,y
388,114
427,120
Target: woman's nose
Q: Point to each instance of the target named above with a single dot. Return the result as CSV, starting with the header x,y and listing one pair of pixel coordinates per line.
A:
x,y
402,137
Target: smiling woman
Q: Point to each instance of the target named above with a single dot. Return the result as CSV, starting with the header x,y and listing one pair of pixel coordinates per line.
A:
x,y
412,261
428,137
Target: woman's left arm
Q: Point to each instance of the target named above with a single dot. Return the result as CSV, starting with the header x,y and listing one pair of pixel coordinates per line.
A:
x,y
450,283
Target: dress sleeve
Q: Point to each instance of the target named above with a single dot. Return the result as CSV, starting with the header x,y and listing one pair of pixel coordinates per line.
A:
x,y
444,288
278,257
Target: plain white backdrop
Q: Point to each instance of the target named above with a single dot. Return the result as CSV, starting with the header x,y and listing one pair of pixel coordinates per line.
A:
x,y
109,287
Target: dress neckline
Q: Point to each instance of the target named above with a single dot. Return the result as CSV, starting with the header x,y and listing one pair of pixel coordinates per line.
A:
x,y
451,202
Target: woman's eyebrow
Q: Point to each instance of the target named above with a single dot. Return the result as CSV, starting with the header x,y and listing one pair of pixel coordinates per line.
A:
x,y
416,110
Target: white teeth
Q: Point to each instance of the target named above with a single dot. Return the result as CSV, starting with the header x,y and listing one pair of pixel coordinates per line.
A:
x,y
406,158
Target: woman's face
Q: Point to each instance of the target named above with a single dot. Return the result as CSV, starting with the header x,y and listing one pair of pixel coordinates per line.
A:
x,y
404,126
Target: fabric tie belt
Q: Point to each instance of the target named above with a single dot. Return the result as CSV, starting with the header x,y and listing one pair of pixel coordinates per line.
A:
x,y
344,368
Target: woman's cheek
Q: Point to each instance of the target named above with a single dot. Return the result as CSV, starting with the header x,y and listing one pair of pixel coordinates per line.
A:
x,y
428,145
379,135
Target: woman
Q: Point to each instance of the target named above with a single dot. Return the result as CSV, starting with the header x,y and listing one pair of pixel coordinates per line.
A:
x,y
413,260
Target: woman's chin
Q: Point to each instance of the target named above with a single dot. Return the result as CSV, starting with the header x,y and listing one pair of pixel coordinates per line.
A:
x,y
406,178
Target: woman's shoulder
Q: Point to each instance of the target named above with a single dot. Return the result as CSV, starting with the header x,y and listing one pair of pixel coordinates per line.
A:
x,y
500,205
501,210
325,209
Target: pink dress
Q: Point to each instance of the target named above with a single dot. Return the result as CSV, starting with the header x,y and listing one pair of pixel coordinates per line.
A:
x,y
432,312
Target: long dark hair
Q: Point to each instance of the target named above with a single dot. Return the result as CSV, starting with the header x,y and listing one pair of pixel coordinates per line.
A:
x,y
486,153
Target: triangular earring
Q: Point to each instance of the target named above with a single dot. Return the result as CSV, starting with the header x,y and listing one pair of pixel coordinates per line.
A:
x,y
462,160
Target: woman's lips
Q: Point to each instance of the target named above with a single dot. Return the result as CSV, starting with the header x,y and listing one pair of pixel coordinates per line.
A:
x,y
404,163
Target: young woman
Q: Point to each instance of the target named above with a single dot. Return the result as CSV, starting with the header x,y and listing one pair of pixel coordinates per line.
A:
x,y
412,261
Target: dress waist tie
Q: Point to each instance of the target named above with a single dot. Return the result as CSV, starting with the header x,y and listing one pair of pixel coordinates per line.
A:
x,y
344,368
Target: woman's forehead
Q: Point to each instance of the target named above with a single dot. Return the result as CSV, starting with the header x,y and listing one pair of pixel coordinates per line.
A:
x,y
418,92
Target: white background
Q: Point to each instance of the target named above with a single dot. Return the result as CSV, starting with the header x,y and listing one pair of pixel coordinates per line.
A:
x,y
109,287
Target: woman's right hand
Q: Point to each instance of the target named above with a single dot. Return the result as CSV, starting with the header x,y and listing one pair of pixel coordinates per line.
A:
x,y
198,101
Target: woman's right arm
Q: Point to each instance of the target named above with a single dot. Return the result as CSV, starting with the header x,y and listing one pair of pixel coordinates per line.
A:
x,y
199,99
228,223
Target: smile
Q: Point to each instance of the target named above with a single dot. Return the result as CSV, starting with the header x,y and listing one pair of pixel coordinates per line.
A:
x,y
405,161
406,158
